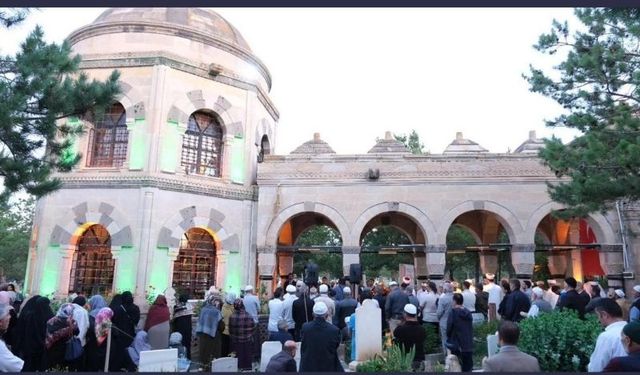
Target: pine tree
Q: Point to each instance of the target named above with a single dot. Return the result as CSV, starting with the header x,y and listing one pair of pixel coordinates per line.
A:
x,y
412,141
598,86
40,86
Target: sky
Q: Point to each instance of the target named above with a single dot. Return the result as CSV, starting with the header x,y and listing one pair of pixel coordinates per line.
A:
x,y
352,74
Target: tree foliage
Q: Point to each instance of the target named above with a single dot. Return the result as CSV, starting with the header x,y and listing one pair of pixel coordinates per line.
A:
x,y
15,232
412,141
39,86
329,264
597,84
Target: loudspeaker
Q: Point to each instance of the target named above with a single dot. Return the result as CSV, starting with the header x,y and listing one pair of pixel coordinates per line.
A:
x,y
355,273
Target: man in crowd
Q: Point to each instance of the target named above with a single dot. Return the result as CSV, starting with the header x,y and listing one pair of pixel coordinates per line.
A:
x,y
526,288
287,308
302,311
460,333
410,334
251,303
571,299
624,304
516,302
595,297
320,341
282,334
482,300
631,344
634,312
344,308
394,305
468,296
608,344
510,358
324,298
445,303
495,295
583,293
284,361
338,289
538,304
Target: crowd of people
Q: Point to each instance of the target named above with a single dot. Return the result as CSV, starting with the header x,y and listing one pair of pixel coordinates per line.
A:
x,y
316,313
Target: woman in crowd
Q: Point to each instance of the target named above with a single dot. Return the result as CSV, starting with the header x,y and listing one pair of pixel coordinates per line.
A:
x,y
227,311
60,329
157,323
182,314
131,308
8,361
91,356
175,342
122,334
140,344
35,316
241,326
209,330
7,298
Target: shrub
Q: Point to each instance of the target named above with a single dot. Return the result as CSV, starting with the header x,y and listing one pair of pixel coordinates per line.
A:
x,y
395,360
432,340
480,332
560,340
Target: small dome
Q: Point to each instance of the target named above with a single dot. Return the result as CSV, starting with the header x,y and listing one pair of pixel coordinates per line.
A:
x,y
314,147
531,145
203,20
388,145
463,146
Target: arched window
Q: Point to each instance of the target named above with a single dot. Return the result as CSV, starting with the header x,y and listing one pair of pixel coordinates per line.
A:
x,y
265,148
108,139
194,270
92,267
202,145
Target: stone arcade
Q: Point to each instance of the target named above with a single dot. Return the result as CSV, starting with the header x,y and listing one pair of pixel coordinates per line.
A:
x,y
178,183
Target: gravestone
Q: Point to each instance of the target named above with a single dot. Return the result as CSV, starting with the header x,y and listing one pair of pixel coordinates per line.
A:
x,y
492,345
165,360
269,349
368,334
226,364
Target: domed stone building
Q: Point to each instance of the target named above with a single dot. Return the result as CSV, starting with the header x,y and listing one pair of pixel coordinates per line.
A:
x,y
178,184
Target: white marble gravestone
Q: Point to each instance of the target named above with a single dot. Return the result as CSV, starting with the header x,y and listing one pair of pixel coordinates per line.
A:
x,y
368,335
269,349
165,360
225,364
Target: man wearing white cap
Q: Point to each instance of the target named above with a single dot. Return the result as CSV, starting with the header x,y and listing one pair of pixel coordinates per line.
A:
x,y
410,334
538,304
344,308
394,305
320,341
634,312
495,295
8,361
287,308
251,303
324,298
625,305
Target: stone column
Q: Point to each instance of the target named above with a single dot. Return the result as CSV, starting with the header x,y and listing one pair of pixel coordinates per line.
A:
x,y
172,256
267,260
611,260
523,260
66,255
435,261
488,261
115,255
575,264
225,166
558,262
145,255
221,268
420,265
350,255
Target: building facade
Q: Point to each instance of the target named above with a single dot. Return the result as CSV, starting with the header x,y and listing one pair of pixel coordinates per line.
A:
x,y
178,183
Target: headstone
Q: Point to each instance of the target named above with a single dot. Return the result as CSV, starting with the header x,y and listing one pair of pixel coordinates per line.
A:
x,y
298,355
269,349
492,345
226,364
368,332
170,295
165,360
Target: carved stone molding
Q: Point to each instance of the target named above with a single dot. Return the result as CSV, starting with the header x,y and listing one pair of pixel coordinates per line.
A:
x,y
435,249
350,249
266,250
523,248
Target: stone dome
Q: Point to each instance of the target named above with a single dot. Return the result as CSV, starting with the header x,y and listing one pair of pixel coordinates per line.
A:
x,y
389,145
461,145
198,19
314,147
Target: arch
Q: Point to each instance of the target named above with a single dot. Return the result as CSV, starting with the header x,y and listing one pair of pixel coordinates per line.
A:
x,y
86,214
263,128
601,226
298,208
264,148
195,268
108,142
196,100
133,101
202,217
420,218
202,144
509,221
95,272
470,231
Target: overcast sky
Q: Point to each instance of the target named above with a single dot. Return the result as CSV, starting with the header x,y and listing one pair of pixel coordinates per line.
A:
x,y
352,74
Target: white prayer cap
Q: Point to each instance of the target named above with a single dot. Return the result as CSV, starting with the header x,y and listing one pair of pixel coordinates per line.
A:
x,y
619,293
490,276
299,283
291,289
393,283
320,308
346,290
538,292
637,288
410,308
324,289
248,288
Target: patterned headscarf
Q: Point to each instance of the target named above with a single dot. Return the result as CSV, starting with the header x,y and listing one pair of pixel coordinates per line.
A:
x,y
65,311
230,298
96,302
103,322
238,305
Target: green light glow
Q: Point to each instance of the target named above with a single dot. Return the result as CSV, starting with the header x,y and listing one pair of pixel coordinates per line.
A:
x,y
51,274
127,269
233,279
159,278
69,154
237,159
169,148
139,142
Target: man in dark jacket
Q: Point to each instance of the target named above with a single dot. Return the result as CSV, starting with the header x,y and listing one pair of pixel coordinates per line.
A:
x,y
631,344
516,302
482,300
410,334
394,305
284,361
302,311
571,299
344,308
460,333
320,342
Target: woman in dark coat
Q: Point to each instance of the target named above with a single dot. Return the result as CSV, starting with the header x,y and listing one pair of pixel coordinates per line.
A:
x,y
241,327
122,335
60,329
182,322
34,318
93,360
209,330
131,308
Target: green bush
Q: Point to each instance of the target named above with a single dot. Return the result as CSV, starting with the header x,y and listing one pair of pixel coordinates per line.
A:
x,y
480,332
432,340
560,340
395,360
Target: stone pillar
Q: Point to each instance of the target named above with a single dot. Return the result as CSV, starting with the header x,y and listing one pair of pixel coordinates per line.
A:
x,y
558,261
420,265
172,256
267,260
115,255
350,255
221,268
488,261
66,256
611,260
575,269
523,259
435,261
145,255
225,166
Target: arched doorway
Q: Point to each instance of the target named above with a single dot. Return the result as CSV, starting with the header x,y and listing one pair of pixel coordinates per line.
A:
x,y
309,236
392,246
477,243
93,265
265,148
194,271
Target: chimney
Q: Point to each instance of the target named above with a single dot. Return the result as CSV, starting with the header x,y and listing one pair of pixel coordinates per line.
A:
x,y
388,136
316,137
532,135
459,136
